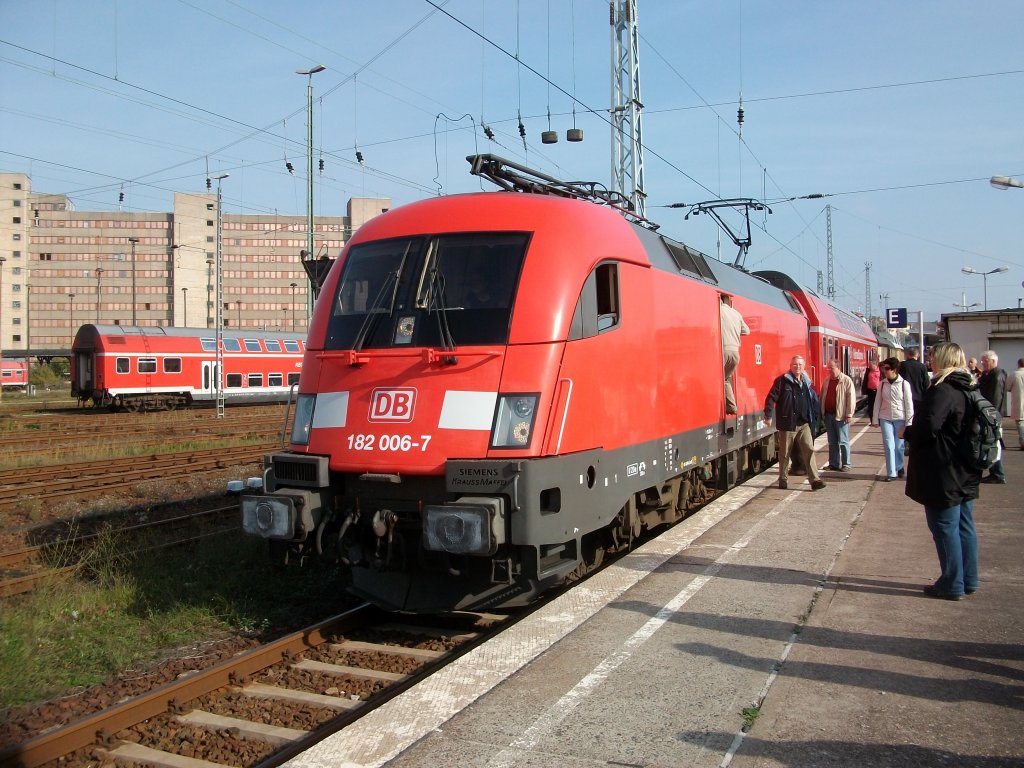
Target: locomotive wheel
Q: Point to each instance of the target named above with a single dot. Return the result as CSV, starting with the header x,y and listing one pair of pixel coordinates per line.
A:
x,y
593,556
133,405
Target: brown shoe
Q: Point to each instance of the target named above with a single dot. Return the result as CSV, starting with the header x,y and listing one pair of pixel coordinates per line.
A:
x,y
817,485
783,485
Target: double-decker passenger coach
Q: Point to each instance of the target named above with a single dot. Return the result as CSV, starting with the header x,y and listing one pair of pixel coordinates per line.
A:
x,y
143,368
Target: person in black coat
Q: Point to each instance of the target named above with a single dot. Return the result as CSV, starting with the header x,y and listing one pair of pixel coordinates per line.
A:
x,y
939,480
992,386
916,374
793,404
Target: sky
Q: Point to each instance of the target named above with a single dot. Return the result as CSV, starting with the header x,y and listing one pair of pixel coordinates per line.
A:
x,y
896,114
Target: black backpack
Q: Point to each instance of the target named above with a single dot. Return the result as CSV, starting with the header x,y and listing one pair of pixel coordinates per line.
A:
x,y
979,441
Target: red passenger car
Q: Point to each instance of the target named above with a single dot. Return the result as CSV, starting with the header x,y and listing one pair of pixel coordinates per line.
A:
x,y
118,366
13,374
835,334
500,388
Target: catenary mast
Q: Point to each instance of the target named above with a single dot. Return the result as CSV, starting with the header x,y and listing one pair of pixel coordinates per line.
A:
x,y
627,131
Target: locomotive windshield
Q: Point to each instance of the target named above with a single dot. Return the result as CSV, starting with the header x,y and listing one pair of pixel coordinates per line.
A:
x,y
436,292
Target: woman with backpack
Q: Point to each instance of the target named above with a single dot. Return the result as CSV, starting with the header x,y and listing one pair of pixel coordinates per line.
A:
x,y
939,477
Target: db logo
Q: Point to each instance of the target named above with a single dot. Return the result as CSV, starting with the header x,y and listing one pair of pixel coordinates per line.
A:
x,y
392,404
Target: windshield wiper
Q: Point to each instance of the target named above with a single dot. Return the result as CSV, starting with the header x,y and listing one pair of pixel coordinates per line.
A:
x,y
377,309
437,304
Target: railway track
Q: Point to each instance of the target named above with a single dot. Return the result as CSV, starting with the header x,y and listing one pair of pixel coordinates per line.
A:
x,y
265,705
94,479
21,570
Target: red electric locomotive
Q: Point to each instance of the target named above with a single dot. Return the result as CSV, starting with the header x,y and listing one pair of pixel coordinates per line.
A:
x,y
136,368
500,388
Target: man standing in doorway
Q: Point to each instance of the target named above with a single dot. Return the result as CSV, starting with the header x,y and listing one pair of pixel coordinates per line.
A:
x,y
732,328
838,401
794,402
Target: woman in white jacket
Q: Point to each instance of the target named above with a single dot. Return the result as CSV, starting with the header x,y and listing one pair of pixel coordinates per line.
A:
x,y
894,411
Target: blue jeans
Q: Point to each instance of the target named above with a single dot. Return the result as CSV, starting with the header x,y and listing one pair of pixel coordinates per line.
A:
x,y
957,546
892,445
838,441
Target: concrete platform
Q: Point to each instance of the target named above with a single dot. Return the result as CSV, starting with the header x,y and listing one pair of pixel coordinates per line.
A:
x,y
774,628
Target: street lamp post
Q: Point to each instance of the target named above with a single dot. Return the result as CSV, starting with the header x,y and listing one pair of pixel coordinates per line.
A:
x,y
99,274
1006,182
309,168
133,241
184,307
293,287
220,300
984,278
963,305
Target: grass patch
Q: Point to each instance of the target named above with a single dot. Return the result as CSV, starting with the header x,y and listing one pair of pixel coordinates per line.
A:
x,y
123,610
750,715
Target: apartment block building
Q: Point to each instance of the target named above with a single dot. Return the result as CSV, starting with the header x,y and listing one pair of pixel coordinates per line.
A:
x,y
61,268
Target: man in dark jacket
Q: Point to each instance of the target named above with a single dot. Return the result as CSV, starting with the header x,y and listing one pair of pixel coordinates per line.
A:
x,y
916,374
992,386
938,479
793,404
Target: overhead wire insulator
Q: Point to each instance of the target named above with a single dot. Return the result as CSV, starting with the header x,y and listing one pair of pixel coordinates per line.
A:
x,y
359,157
321,165
290,167
488,132
522,129
120,197
209,184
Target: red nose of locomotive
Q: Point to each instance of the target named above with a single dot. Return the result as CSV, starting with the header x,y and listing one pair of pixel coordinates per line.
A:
x,y
366,424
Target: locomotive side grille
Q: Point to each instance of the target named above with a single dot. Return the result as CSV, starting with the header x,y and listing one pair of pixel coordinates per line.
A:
x,y
303,471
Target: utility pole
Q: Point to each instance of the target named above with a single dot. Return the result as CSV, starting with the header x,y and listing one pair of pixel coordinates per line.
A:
x,y
831,275
133,241
867,291
220,299
99,274
309,173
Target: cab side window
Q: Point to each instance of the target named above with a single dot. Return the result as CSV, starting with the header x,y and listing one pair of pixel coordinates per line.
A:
x,y
597,310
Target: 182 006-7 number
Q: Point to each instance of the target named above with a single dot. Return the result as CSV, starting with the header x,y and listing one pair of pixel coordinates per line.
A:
x,y
364,442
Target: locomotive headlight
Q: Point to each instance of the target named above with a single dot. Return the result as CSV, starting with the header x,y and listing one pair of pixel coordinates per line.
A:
x,y
303,423
523,406
269,517
474,525
513,421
